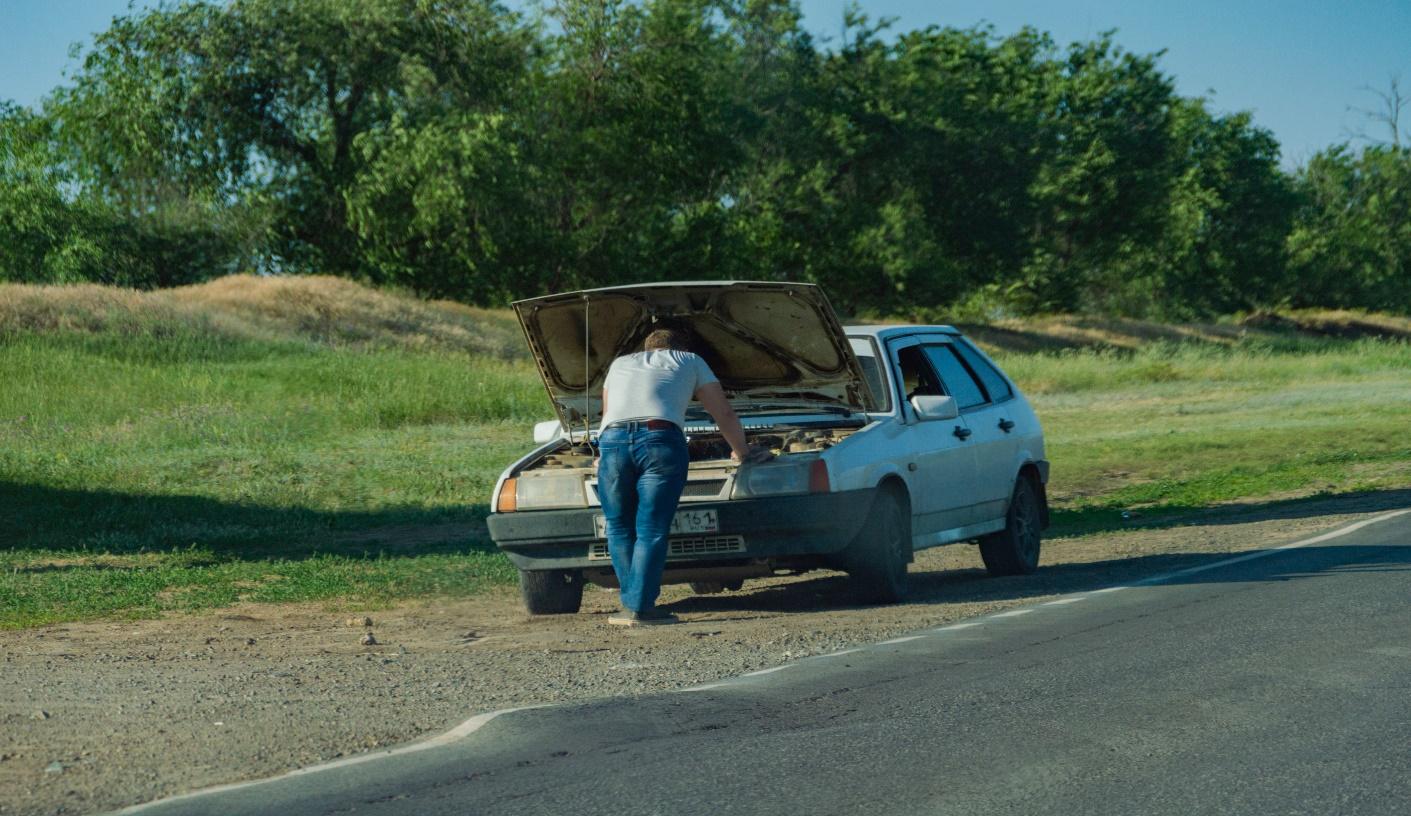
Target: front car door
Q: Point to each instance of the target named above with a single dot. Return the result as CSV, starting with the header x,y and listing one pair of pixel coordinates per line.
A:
x,y
942,459
992,441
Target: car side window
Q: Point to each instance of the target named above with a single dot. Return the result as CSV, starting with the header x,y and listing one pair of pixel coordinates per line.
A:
x,y
956,377
917,378
995,384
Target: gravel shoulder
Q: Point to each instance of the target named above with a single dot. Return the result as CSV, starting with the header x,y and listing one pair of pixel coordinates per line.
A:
x,y
97,716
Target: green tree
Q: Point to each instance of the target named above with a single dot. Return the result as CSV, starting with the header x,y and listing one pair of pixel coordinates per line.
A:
x,y
260,103
636,140
445,209
1222,242
51,231
1106,174
455,148
1351,242
611,165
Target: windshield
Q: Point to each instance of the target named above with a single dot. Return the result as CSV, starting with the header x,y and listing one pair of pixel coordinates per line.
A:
x,y
865,349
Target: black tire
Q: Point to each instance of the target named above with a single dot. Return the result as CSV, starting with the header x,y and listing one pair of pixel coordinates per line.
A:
x,y
876,560
551,592
1015,549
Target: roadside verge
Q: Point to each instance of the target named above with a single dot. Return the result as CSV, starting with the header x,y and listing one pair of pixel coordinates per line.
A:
x,y
142,710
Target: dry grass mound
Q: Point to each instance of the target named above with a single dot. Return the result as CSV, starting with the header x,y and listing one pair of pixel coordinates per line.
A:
x,y
335,311
1056,333
1061,332
1342,324
317,309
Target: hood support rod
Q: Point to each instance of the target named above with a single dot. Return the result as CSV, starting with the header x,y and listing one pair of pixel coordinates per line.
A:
x,y
587,431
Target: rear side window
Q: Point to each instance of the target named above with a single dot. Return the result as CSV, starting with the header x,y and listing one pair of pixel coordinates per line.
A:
x,y
995,383
956,377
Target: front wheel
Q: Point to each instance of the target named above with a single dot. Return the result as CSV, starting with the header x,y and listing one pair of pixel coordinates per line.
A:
x,y
551,592
876,560
1015,549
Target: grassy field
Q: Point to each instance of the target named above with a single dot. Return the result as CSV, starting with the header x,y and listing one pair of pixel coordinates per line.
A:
x,y
312,440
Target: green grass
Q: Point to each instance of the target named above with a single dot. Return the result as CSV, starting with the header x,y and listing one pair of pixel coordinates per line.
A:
x,y
144,473
165,467
1171,429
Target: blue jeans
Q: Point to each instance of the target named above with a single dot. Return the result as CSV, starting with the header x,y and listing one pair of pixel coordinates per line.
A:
x,y
641,474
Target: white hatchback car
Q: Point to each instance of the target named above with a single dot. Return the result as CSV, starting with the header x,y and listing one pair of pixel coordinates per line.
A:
x,y
888,439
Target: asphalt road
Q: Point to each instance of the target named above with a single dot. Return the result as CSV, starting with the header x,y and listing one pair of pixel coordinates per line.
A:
x,y
1275,685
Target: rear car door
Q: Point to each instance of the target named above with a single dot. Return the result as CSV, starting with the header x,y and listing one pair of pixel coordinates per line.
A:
x,y
1007,411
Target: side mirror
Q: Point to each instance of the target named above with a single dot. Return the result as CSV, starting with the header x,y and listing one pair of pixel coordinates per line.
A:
x,y
547,431
931,407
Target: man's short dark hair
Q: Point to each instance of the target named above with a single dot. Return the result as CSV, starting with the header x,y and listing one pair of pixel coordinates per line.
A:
x,y
667,339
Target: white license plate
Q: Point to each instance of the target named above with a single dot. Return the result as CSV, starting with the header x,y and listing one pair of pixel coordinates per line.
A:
x,y
686,522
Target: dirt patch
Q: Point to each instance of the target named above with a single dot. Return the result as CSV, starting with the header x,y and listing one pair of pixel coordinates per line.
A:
x,y
101,715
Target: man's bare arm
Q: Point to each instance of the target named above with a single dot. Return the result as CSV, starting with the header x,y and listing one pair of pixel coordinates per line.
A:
x,y
712,396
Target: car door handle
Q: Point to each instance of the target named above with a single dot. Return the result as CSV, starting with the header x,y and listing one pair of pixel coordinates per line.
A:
x,y
963,433
1006,425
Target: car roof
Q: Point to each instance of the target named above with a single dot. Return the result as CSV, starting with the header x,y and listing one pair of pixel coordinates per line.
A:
x,y
889,332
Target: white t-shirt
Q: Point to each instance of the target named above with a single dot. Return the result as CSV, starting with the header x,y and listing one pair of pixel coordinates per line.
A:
x,y
653,385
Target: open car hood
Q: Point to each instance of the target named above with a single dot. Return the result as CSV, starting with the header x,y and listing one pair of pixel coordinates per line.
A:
x,y
767,342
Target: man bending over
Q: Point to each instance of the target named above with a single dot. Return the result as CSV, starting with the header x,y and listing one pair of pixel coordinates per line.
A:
x,y
643,459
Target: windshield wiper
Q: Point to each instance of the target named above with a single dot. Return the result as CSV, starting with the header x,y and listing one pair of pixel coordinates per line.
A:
x,y
774,407
756,408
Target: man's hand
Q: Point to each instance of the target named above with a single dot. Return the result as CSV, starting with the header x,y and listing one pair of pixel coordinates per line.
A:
x,y
756,455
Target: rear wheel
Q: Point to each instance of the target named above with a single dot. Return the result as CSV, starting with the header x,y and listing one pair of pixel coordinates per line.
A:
x,y
1015,549
551,592
876,560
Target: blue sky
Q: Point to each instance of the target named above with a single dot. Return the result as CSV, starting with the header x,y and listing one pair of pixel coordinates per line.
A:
x,y
1297,64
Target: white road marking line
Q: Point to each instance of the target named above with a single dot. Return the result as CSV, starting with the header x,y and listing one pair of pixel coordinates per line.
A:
x,y
1318,539
767,671
461,731
899,640
706,687
955,626
1062,601
838,654
1110,589
1013,613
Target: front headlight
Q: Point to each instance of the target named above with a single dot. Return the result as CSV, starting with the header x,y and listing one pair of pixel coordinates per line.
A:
x,y
777,478
541,492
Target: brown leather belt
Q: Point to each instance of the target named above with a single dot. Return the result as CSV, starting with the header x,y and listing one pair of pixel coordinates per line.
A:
x,y
649,424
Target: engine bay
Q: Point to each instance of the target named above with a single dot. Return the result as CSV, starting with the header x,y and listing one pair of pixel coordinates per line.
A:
x,y
713,447
709,446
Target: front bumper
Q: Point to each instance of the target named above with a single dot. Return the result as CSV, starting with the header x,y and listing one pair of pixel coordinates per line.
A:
x,y
778,526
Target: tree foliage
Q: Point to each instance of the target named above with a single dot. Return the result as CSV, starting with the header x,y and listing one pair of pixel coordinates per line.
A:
x,y
460,149
261,103
1351,244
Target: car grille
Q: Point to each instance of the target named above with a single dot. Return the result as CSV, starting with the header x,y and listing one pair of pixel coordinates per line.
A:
x,y
709,487
684,547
